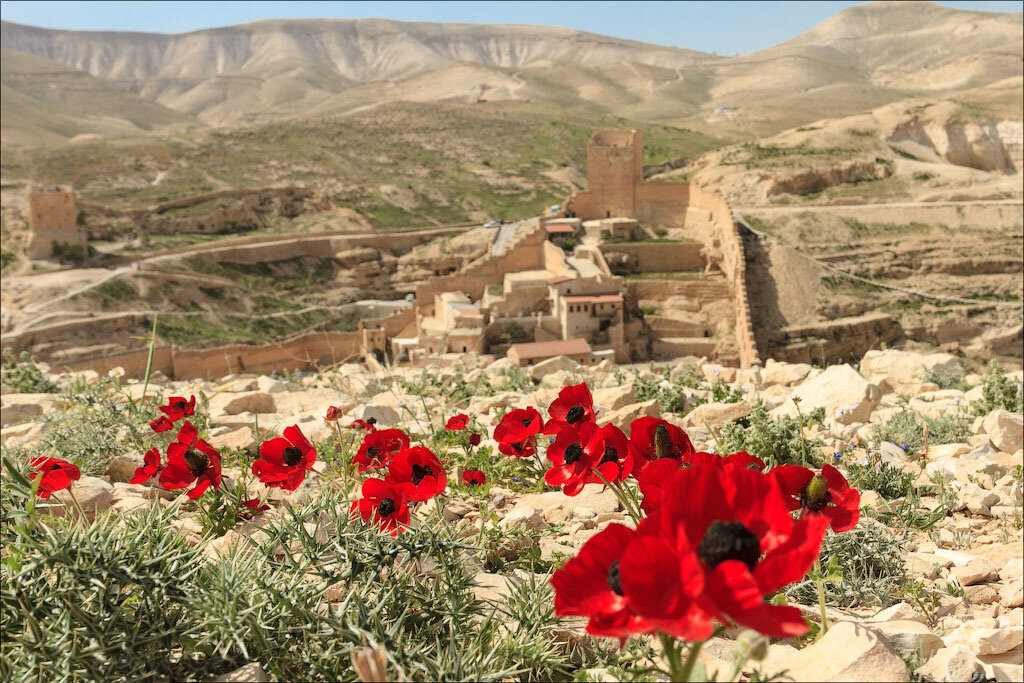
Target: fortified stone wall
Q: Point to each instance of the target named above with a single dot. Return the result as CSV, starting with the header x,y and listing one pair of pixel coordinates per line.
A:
x,y
53,218
837,340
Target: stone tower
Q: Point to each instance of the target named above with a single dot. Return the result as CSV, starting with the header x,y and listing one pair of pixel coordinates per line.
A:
x,y
53,220
614,167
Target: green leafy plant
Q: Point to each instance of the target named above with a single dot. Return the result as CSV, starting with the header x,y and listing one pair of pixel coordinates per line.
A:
x,y
945,379
776,442
998,392
887,480
23,374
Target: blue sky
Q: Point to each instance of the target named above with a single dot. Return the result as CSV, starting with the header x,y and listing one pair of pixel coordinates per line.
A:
x,y
721,27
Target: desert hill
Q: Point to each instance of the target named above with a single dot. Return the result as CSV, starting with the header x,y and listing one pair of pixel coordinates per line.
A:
x,y
862,58
44,101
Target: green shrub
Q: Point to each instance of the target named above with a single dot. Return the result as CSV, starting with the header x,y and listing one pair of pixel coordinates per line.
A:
x,y
906,430
24,375
998,392
945,379
870,563
887,480
776,442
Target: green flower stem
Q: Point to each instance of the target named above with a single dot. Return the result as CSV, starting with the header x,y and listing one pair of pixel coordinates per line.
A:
x,y
820,580
672,656
691,661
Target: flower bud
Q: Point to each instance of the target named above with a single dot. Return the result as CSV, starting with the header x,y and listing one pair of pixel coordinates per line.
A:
x,y
370,665
753,645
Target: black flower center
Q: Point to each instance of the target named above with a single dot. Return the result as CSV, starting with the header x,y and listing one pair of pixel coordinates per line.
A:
x,y
573,453
372,452
197,462
56,466
729,541
386,507
370,420
614,579
420,471
575,414
527,422
815,494
474,481
518,446
291,456
662,442
180,405
610,455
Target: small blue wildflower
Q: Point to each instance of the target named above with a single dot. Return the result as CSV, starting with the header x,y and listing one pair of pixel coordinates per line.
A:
x,y
837,455
516,479
905,446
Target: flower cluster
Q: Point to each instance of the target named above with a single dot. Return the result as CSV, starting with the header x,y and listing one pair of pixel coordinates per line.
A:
x,y
414,474
716,535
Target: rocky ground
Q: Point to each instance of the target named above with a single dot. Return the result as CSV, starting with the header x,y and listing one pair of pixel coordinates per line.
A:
x,y
939,471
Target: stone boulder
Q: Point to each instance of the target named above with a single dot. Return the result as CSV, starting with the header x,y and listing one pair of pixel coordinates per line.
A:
x,y
92,493
951,664
232,403
624,416
714,415
908,637
848,652
384,414
786,374
903,370
840,390
1005,430
15,408
613,398
552,365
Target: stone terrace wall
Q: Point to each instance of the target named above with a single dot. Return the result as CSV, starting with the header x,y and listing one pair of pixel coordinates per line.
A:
x,y
659,256
835,341
525,254
734,265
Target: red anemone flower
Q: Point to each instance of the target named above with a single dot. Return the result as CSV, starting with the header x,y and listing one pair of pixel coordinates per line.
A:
x,y
826,494
721,541
190,459
150,466
573,407
474,439
368,425
589,585
517,432
379,447
417,473
161,424
614,455
177,407
285,461
653,439
57,475
474,478
573,454
457,422
654,474
333,414
383,504
253,508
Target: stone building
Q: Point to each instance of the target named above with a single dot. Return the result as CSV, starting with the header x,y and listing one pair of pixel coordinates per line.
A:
x,y
53,221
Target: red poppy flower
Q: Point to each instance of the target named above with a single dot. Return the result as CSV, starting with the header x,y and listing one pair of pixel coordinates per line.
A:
x,y
474,478
474,439
177,407
417,473
589,585
826,494
253,508
653,439
56,475
161,424
655,473
285,461
573,456
651,479
614,457
150,466
573,406
516,434
457,422
333,414
368,425
190,459
383,504
728,532
379,447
